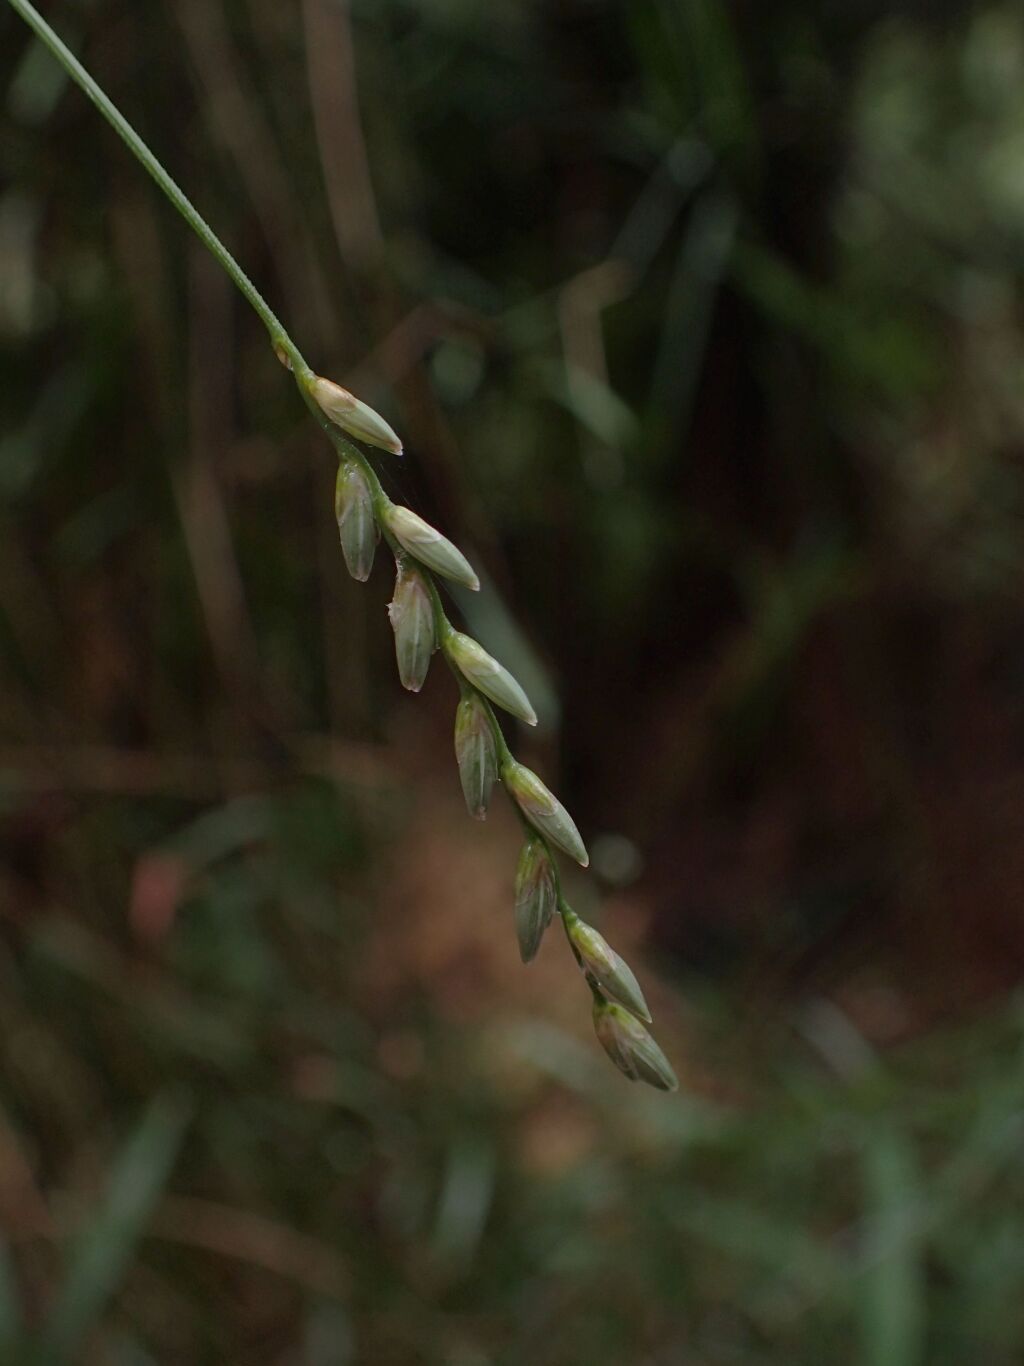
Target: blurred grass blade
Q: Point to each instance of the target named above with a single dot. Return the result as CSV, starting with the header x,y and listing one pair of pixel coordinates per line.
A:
x,y
36,86
100,1255
707,35
170,1016
330,1340
795,1256
593,403
10,1307
700,267
891,1299
465,1201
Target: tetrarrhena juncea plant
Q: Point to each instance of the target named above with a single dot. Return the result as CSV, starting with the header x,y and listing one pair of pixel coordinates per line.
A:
x,y
365,513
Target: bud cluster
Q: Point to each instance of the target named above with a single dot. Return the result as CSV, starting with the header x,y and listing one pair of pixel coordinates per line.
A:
x,y
420,627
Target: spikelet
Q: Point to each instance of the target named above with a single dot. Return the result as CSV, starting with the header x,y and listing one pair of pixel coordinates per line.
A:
x,y
631,1047
542,808
412,620
475,754
419,538
492,678
354,416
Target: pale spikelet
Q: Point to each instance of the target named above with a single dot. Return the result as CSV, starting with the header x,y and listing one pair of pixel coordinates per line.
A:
x,y
492,678
357,526
631,1047
543,809
354,416
475,754
600,961
412,620
419,538
535,896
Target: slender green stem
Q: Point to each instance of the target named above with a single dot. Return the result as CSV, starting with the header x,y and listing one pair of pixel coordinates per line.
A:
x,y
163,178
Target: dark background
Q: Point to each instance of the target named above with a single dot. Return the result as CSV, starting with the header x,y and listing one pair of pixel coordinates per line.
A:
x,y
702,322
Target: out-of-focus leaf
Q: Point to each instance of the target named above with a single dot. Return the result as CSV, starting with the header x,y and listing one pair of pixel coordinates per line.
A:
x,y
701,264
593,404
329,1337
466,1197
36,86
100,1255
10,1307
891,1288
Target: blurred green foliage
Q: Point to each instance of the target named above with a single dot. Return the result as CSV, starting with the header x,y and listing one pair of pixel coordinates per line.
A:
x,y
701,320
312,1185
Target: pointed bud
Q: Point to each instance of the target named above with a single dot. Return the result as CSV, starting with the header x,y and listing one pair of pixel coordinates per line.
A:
x,y
354,416
631,1047
492,678
543,809
535,897
476,755
600,961
428,545
412,619
353,508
